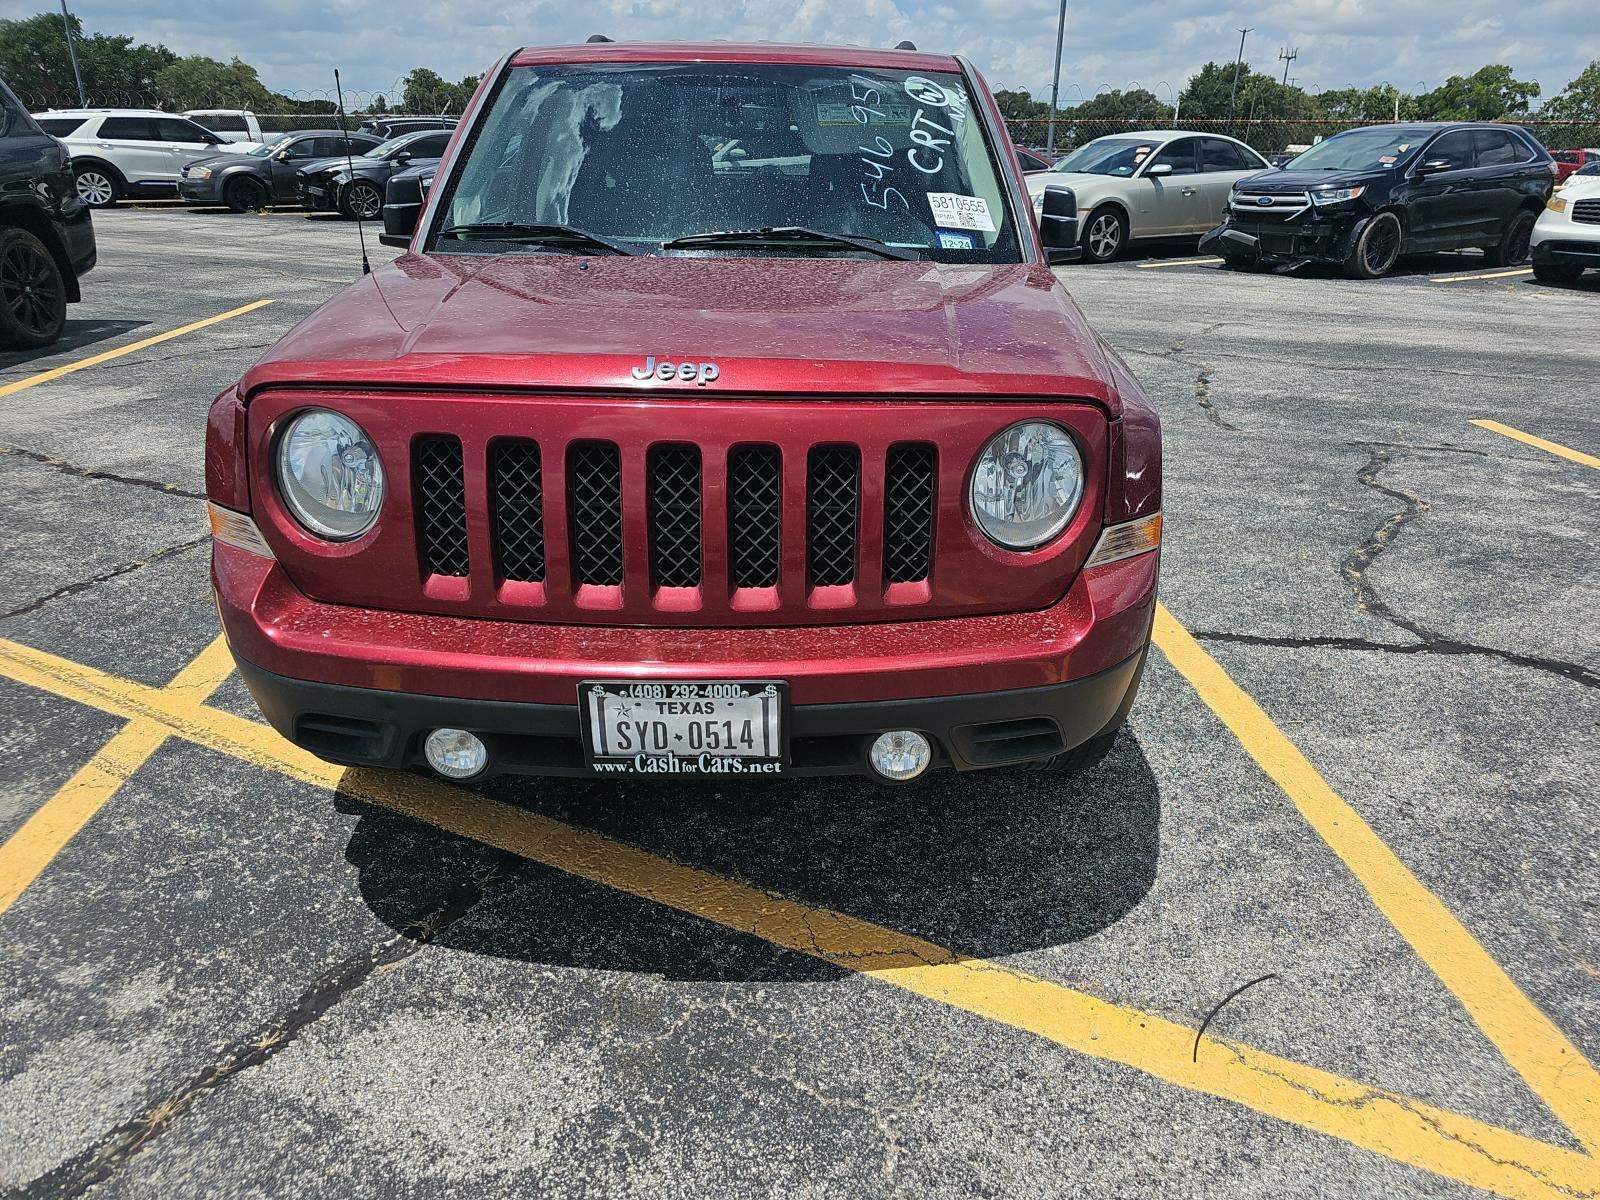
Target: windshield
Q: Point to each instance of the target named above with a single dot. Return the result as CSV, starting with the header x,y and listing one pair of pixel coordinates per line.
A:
x,y
1107,156
388,149
1359,150
642,154
269,148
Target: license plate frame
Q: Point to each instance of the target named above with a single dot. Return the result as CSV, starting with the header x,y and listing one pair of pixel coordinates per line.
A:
x,y
603,756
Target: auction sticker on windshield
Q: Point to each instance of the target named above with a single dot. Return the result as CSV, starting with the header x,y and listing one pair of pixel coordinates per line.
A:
x,y
710,728
951,210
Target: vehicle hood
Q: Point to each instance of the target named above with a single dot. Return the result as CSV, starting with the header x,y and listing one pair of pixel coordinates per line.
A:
x,y
316,165
1079,182
1580,187
773,326
1301,181
216,161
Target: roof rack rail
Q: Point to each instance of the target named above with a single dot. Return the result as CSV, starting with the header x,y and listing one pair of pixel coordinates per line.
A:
x,y
905,44
597,37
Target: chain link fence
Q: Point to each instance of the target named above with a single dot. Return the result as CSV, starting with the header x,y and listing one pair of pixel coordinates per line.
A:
x,y
1271,136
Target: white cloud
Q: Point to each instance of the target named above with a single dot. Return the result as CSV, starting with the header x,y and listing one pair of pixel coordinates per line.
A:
x,y
297,43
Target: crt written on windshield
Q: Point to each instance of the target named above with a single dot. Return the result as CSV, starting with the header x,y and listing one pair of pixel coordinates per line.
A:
x,y
645,153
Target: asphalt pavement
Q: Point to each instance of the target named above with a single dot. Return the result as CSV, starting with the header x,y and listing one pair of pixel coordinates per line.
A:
x,y
223,973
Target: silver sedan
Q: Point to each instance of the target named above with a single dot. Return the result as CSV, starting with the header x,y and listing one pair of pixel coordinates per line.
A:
x,y
1154,183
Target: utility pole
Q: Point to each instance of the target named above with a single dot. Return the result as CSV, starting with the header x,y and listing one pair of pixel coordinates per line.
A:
x,y
1237,63
1286,58
1055,82
72,53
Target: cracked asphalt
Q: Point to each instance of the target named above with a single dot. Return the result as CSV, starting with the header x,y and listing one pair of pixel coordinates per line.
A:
x,y
231,982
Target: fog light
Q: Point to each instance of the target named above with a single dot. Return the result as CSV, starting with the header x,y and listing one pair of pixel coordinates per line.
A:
x,y
455,753
900,754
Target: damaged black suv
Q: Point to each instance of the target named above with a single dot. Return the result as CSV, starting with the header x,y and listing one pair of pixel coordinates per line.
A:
x,y
1363,198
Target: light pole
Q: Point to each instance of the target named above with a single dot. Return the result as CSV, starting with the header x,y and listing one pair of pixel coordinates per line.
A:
x,y
72,53
1055,81
1237,63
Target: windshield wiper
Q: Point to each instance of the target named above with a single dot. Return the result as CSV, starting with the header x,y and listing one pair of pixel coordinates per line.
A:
x,y
523,233
787,235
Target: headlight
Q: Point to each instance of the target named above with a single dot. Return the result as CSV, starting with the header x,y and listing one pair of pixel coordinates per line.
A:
x,y
197,172
1336,195
330,475
1557,204
1027,484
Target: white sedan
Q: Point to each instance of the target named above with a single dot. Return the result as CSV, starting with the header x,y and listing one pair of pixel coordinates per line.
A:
x,y
1155,183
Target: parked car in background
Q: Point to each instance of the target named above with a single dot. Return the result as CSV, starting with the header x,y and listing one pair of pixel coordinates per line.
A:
x,y
1566,238
119,152
1570,162
46,234
385,128
1364,197
230,124
1032,161
355,187
403,197
267,175
1154,184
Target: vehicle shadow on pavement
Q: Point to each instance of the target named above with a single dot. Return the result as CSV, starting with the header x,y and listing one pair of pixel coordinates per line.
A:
x,y
75,336
987,864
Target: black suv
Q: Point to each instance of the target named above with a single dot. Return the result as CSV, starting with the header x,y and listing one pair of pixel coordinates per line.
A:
x,y
1364,197
46,239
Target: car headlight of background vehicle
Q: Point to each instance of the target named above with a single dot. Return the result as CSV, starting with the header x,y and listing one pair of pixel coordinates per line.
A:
x,y
1027,484
1336,195
329,474
1557,204
198,172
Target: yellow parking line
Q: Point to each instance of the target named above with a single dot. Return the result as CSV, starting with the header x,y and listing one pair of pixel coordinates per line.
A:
x,y
1177,262
1399,1127
1550,1064
1483,275
107,356
33,847
1577,456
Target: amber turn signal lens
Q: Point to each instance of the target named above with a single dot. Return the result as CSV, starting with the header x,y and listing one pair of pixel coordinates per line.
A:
x,y
1118,542
238,530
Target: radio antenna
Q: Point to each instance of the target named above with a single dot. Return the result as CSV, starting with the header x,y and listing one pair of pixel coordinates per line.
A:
x,y
338,88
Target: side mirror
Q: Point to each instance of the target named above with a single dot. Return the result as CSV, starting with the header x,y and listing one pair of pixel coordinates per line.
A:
x,y
1434,165
402,158
1157,170
1058,224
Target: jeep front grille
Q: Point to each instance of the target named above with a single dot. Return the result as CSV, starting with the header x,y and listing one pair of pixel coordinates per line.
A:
x,y
910,487
674,477
594,512
833,503
516,510
441,491
755,515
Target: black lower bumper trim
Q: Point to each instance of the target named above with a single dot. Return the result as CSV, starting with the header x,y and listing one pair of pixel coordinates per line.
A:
x,y
367,727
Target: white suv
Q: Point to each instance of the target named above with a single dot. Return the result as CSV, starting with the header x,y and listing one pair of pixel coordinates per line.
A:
x,y
1566,241
119,152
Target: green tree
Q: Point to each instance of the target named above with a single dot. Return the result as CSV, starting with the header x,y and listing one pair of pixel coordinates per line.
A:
x,y
1488,94
34,61
428,92
1361,104
1134,108
1019,106
1579,100
201,82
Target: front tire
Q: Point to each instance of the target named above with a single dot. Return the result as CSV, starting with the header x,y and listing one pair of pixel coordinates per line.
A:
x,y
1377,249
1105,235
1514,243
245,195
361,199
98,186
33,296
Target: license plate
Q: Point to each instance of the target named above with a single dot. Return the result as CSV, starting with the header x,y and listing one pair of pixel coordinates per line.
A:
x,y
683,728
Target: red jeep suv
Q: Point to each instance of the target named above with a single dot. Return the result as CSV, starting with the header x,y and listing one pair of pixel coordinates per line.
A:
x,y
723,417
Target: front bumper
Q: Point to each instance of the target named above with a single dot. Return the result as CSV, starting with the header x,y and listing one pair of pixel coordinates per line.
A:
x,y
1279,241
319,196
364,686
199,191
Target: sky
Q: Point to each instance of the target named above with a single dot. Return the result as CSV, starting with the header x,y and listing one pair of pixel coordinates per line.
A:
x,y
1157,44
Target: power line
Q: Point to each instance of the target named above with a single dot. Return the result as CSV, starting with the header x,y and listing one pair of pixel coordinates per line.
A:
x,y
1287,57
1237,63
